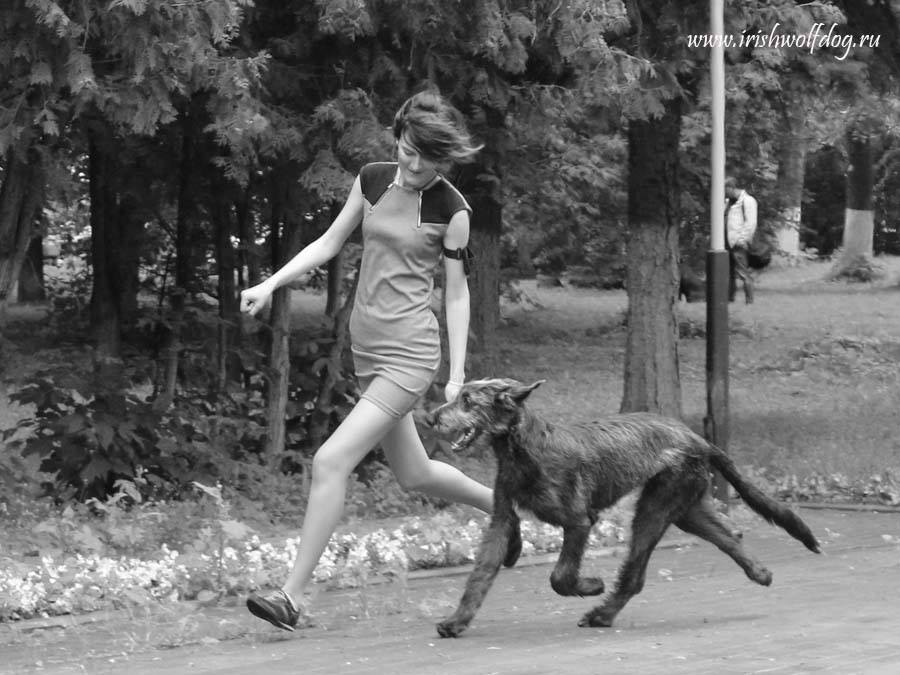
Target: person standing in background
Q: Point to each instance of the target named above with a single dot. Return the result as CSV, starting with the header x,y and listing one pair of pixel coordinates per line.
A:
x,y
740,226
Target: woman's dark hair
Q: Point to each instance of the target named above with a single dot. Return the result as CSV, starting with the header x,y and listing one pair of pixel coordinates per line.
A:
x,y
435,128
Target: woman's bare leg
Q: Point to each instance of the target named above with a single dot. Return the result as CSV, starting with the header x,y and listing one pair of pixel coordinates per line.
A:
x,y
360,431
415,470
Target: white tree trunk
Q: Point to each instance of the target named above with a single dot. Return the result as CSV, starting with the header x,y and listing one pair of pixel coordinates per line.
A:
x,y
788,232
859,230
859,222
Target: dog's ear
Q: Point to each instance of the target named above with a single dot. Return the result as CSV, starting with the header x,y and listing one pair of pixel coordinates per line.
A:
x,y
519,392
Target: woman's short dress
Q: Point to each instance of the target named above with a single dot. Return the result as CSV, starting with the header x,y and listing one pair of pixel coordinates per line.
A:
x,y
394,333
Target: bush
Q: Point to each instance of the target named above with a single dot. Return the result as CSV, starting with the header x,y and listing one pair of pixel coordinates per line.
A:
x,y
91,430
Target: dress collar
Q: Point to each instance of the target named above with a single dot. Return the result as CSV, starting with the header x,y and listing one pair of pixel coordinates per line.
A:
x,y
430,184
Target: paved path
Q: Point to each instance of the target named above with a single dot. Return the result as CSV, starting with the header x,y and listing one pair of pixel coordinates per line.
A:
x,y
836,613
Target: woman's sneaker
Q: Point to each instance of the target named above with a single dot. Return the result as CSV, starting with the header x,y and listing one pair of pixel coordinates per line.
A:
x,y
275,607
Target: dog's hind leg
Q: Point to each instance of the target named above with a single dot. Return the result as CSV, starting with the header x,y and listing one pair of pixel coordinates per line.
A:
x,y
703,521
491,552
663,500
565,578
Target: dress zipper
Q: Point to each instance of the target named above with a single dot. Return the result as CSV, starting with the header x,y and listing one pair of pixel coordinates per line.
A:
x,y
419,212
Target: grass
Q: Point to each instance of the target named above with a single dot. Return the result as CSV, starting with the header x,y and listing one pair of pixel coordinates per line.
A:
x,y
813,378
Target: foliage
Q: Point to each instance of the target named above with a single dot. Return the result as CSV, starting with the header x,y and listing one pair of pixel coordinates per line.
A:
x,y
576,216
110,561
91,431
86,436
128,60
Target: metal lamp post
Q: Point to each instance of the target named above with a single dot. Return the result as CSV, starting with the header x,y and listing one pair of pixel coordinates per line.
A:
x,y
717,263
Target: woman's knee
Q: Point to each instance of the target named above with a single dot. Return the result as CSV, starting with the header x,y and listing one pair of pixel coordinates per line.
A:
x,y
415,478
329,465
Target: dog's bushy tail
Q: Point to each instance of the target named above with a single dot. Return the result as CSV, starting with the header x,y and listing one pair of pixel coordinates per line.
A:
x,y
760,502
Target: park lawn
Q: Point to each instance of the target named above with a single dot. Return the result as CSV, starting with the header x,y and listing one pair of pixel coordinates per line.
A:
x,y
814,366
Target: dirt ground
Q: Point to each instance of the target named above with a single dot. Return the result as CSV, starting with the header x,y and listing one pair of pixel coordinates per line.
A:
x,y
833,613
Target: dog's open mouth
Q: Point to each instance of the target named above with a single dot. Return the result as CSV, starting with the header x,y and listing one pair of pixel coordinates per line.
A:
x,y
465,438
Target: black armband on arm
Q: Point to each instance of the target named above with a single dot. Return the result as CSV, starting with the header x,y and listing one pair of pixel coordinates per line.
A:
x,y
463,254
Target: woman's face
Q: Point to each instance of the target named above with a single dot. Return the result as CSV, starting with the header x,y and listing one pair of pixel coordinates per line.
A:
x,y
415,170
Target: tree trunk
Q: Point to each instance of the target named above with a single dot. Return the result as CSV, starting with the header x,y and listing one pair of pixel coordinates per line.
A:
x,y
858,217
183,263
104,307
484,280
128,257
279,375
524,252
322,422
247,259
651,348
20,199
31,275
226,367
790,179
283,249
247,271
482,183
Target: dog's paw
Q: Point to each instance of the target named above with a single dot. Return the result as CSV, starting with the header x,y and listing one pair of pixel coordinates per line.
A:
x,y
590,586
451,628
760,574
595,619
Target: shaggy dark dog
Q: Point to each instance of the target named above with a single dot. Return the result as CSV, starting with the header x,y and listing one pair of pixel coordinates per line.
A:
x,y
566,475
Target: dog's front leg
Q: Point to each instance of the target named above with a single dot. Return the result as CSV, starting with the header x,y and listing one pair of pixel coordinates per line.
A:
x,y
566,578
490,555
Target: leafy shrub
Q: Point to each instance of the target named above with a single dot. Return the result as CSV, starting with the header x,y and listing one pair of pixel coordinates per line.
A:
x,y
87,436
67,284
90,430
